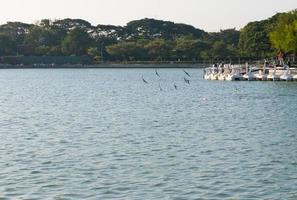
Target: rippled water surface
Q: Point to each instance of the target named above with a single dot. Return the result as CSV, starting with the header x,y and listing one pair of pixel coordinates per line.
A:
x,y
104,134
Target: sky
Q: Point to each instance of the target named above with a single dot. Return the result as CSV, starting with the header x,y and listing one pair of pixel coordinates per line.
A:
x,y
209,15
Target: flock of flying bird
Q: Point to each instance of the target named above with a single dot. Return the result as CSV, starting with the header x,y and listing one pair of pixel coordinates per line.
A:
x,y
175,86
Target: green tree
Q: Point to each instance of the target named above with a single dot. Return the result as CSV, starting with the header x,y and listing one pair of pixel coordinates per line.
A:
x,y
76,42
159,29
221,50
15,30
229,36
94,53
7,45
254,38
126,51
189,48
159,49
284,34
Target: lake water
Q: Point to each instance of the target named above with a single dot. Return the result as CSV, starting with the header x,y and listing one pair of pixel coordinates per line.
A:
x,y
105,134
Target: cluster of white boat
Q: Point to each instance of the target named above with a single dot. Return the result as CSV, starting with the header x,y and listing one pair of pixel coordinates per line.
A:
x,y
228,72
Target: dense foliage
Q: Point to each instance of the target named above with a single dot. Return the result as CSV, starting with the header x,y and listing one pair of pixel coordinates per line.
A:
x,y
284,35
149,40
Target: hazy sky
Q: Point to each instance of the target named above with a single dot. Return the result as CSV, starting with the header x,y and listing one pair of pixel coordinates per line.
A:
x,y
210,15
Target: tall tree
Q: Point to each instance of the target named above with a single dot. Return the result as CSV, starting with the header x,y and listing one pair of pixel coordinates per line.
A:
x,y
76,42
7,45
159,49
189,48
254,38
284,34
126,51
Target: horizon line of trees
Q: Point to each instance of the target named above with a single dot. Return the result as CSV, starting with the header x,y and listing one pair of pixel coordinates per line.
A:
x,y
149,40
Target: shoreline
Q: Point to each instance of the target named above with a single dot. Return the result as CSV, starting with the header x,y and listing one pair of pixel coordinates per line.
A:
x,y
105,66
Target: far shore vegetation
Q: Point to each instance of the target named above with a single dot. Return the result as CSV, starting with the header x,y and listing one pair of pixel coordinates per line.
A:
x,y
75,41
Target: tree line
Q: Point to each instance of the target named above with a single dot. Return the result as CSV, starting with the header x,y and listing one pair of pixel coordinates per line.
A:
x,y
149,40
